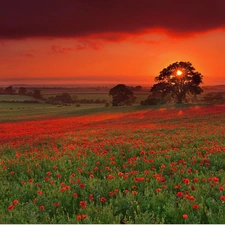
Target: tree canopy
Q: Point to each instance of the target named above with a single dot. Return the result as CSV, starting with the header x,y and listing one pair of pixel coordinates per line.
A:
x,y
178,80
120,94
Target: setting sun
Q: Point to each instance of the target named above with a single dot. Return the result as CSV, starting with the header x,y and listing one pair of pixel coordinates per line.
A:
x,y
179,72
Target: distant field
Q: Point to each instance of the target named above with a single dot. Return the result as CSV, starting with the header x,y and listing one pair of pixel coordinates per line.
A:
x,y
19,98
105,96
92,95
10,112
31,111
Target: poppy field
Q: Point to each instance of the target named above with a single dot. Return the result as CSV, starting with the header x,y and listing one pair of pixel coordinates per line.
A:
x,y
145,166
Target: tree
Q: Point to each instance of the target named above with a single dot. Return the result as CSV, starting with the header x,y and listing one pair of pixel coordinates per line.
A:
x,y
9,90
64,98
120,94
138,88
22,91
37,94
178,80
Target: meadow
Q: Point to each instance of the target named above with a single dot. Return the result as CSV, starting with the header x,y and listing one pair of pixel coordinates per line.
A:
x,y
112,165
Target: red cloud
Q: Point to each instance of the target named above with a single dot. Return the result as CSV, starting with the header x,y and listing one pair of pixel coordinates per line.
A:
x,y
58,49
79,18
83,44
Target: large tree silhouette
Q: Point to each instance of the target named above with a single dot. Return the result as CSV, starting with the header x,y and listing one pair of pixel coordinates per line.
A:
x,y
178,80
120,94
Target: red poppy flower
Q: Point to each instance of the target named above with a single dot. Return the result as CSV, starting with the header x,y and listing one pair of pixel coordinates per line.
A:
x,y
102,199
42,207
221,188
215,179
75,195
84,216
195,206
222,198
82,185
192,198
83,204
15,202
79,217
186,181
56,204
185,216
91,197
196,180
179,194
11,207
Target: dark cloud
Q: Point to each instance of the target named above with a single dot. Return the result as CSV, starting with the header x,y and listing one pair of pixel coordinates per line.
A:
x,y
107,18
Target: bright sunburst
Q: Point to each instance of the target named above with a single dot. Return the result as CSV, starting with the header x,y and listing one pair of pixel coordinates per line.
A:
x,y
179,72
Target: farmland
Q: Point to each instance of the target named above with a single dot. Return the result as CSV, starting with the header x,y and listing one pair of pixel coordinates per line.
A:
x,y
138,165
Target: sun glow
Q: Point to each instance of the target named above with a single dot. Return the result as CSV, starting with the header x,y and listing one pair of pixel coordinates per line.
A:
x,y
179,72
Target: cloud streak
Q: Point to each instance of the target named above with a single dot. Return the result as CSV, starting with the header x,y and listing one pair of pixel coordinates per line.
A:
x,y
108,19
82,45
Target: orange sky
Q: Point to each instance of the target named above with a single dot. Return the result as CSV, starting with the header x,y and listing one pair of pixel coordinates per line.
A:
x,y
125,57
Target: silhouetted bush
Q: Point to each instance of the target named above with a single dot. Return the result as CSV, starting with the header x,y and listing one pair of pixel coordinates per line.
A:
x,y
151,101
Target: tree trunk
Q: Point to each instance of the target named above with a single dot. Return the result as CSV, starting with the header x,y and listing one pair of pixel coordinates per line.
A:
x,y
179,99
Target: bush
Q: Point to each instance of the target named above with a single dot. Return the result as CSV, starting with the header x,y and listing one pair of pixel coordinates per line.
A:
x,y
151,101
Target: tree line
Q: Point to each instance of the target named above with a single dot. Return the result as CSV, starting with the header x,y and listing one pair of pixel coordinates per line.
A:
x,y
22,91
179,82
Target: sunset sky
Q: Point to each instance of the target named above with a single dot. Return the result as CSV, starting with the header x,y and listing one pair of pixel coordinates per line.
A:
x,y
109,41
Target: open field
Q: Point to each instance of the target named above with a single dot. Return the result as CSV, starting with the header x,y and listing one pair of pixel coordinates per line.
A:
x,y
17,98
140,165
15,112
24,111
140,96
